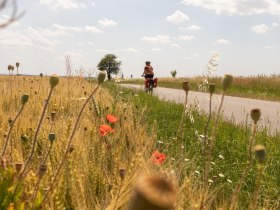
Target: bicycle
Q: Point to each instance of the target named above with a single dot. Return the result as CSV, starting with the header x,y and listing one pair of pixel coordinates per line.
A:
x,y
150,84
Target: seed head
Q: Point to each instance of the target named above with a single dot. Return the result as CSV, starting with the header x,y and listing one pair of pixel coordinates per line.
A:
x,y
18,167
227,81
122,173
255,115
24,99
10,121
186,86
260,153
53,114
42,170
101,77
212,88
17,64
54,80
153,193
71,149
51,137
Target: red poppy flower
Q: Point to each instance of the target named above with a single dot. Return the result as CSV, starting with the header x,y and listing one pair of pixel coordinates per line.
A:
x,y
158,157
104,129
111,118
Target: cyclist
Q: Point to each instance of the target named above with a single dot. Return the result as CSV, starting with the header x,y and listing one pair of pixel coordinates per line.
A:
x,y
148,70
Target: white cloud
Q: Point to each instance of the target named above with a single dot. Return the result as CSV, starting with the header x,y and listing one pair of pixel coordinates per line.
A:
x,y
130,50
103,51
269,47
260,29
222,41
157,39
196,54
274,24
190,28
238,7
106,22
63,4
186,37
66,28
156,50
92,29
177,17
176,46
33,37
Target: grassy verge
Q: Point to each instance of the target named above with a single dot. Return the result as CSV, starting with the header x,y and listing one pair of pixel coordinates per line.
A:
x,y
259,87
229,155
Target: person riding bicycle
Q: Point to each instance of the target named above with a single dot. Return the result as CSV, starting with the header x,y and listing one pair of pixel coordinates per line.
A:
x,y
148,70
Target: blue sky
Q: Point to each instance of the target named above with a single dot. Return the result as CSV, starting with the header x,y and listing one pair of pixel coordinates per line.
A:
x,y
172,34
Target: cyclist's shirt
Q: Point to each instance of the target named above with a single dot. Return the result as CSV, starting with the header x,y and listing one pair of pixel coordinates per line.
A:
x,y
148,70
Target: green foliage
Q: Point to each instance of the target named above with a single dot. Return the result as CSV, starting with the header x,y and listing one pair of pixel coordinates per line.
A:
x,y
7,186
173,73
109,64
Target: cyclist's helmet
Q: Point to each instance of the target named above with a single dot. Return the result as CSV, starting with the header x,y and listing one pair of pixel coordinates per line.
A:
x,y
148,62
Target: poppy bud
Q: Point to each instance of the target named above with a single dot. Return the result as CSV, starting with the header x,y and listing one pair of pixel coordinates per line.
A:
x,y
24,137
10,121
260,153
122,173
101,77
17,64
41,74
71,149
53,114
212,88
227,81
54,80
186,86
255,115
153,192
51,137
18,167
24,99
42,170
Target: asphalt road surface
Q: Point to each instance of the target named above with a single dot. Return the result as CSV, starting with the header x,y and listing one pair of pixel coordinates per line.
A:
x,y
234,108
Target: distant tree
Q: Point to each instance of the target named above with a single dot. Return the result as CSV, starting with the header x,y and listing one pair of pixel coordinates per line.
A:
x,y
109,64
173,73
14,13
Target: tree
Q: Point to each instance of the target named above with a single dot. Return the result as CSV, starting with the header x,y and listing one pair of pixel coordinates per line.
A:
x,y
173,73
109,64
4,4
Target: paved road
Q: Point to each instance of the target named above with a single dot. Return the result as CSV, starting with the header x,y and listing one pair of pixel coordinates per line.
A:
x,y
235,108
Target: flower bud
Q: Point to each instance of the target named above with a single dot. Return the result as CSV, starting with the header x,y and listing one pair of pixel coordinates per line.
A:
x,y
18,167
10,121
51,137
212,88
260,153
24,137
54,80
24,99
153,192
255,115
227,81
71,149
186,86
122,173
42,170
101,77
53,114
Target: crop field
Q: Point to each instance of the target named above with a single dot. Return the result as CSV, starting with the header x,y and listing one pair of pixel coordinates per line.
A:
x,y
72,143
258,87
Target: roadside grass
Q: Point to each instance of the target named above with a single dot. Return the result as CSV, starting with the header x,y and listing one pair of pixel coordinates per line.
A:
x,y
258,87
229,155
101,167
